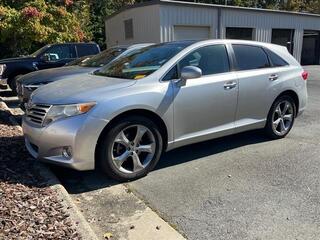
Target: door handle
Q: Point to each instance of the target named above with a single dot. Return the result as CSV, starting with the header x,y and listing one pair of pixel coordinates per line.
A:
x,y
273,77
229,85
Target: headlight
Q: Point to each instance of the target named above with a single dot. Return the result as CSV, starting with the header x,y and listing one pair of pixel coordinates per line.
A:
x,y
2,68
63,111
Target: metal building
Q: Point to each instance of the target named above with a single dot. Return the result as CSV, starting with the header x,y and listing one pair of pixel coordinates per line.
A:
x,y
166,20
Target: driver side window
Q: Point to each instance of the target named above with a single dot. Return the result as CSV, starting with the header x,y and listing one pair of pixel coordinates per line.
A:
x,y
58,52
210,59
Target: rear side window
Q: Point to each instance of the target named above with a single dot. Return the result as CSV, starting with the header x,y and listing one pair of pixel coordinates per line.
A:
x,y
250,57
210,59
276,61
87,49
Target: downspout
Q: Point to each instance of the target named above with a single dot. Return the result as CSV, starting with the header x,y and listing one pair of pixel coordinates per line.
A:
x,y
219,24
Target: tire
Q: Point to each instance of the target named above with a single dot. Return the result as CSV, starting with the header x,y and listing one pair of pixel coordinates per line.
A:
x,y
113,147
278,122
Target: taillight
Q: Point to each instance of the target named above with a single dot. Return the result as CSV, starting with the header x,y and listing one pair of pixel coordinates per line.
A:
x,y
305,75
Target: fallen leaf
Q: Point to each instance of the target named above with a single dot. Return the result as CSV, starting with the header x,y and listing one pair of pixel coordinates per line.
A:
x,y
107,235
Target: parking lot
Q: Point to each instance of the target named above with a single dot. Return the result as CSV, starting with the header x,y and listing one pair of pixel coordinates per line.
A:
x,y
236,187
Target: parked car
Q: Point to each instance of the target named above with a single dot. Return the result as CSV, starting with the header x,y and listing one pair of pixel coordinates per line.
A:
x,y
30,82
50,56
164,96
78,61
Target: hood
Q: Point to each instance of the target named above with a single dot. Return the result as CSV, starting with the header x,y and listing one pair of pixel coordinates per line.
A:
x,y
17,59
53,74
78,88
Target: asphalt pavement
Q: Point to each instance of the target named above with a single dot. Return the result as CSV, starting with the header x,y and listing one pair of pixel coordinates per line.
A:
x,y
237,187
244,186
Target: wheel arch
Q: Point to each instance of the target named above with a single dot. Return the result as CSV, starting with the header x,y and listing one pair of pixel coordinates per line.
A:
x,y
138,112
293,95
19,71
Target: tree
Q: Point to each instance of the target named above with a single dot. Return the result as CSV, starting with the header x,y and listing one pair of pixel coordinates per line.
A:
x,y
25,25
99,10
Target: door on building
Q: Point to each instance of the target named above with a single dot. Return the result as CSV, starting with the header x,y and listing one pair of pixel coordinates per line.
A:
x,y
191,32
239,33
283,37
310,48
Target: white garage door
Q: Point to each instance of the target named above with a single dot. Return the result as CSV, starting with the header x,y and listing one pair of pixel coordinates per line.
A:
x,y
191,33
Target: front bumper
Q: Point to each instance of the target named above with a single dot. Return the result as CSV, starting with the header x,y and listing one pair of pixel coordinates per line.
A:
x,y
79,133
3,81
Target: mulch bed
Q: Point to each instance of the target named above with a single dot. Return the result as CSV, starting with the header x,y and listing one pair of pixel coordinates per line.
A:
x,y
29,208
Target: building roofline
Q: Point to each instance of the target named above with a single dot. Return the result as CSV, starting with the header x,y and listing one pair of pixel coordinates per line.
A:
x,y
207,5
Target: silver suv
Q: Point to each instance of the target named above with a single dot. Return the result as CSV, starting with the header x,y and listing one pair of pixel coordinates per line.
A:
x,y
121,118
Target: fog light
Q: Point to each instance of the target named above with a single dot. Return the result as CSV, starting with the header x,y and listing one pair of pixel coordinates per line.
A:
x,y
67,152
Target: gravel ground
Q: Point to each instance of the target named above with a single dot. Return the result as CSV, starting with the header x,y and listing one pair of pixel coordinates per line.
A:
x,y
29,208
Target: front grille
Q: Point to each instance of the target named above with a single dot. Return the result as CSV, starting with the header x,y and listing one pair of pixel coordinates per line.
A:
x,y
36,113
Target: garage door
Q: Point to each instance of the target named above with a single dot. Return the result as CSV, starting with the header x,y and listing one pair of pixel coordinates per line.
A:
x,y
191,33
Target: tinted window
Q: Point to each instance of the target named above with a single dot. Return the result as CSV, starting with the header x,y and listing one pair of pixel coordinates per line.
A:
x,y
275,59
210,59
239,33
172,74
86,49
250,57
58,52
103,58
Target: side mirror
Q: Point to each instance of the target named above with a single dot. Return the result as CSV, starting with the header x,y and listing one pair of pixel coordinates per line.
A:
x,y
189,72
45,58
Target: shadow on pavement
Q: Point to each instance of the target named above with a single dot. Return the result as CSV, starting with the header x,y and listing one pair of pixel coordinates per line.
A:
x,y
79,182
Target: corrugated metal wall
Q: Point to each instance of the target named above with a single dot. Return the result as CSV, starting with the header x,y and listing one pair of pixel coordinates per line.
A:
x,y
146,26
155,23
171,16
262,21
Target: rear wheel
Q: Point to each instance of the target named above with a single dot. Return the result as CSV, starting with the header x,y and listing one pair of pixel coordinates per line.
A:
x,y
281,117
131,148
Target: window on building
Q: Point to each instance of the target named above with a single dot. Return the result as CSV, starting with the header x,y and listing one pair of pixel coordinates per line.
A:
x,y
250,57
283,37
210,59
275,59
128,28
239,33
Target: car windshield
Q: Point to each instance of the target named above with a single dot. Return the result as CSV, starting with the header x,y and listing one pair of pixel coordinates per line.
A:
x,y
78,61
141,63
39,51
102,58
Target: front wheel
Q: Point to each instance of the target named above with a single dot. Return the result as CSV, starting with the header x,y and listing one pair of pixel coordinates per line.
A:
x,y
131,148
281,117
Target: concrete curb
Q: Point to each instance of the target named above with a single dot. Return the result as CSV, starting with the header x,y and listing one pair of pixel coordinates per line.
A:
x,y
76,216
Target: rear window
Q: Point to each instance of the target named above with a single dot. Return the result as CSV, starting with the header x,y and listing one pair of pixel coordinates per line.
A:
x,y
87,49
250,57
276,60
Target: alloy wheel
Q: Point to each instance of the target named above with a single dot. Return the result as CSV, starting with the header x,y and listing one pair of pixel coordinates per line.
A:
x,y
133,149
282,118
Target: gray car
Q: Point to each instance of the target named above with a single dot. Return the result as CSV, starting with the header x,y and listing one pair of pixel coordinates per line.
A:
x,y
30,82
121,118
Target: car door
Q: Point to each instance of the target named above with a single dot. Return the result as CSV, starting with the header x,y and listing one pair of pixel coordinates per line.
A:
x,y
257,79
57,56
205,107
